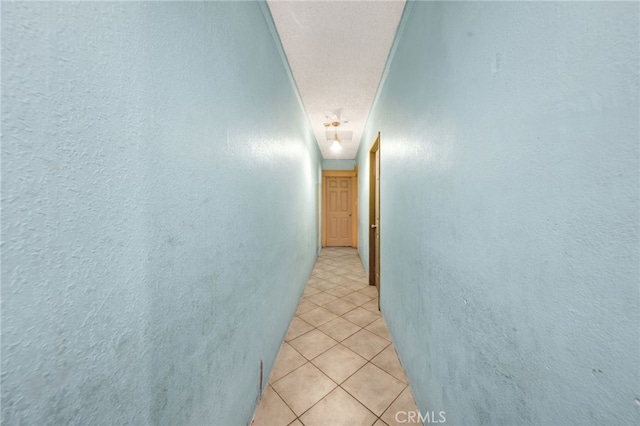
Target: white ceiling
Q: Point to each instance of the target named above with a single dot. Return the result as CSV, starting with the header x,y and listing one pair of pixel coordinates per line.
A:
x,y
337,51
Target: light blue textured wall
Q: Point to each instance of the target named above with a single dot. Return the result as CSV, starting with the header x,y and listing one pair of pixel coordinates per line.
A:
x,y
510,211
338,164
159,211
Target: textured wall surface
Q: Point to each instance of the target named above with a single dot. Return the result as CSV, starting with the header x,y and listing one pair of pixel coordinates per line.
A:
x,y
338,164
510,211
159,207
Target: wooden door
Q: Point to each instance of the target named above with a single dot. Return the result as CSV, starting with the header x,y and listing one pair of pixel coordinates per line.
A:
x,y
374,216
328,177
339,212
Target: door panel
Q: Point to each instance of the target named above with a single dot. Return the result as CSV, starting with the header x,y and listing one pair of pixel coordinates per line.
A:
x,y
333,228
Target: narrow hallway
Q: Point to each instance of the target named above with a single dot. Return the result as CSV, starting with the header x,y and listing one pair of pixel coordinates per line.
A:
x,y
337,365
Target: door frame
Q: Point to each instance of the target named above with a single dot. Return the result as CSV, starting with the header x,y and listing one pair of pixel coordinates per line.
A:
x,y
353,174
374,199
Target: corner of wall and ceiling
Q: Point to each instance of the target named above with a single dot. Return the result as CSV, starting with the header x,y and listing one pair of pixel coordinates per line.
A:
x,y
408,7
268,17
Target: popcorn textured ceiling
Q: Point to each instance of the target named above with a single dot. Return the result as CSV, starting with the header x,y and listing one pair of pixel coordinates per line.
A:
x,y
337,51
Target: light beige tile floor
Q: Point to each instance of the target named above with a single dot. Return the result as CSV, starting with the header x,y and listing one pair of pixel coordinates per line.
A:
x,y
337,365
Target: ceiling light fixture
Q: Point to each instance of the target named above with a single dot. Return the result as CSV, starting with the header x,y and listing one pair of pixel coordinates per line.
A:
x,y
336,145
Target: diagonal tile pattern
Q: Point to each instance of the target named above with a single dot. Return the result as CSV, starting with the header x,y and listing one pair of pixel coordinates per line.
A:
x,y
337,365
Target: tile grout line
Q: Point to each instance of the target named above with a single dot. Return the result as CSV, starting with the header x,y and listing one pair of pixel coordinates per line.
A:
x,y
339,385
319,276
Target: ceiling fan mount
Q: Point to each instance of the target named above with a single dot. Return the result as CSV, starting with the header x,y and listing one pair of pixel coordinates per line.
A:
x,y
333,123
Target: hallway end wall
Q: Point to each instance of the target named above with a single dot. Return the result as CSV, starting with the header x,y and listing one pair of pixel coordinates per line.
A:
x,y
338,164
510,210
159,211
